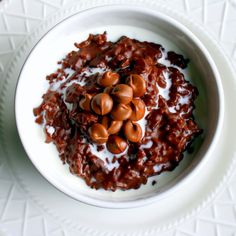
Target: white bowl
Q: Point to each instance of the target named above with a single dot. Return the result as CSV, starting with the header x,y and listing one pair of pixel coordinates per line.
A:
x,y
142,24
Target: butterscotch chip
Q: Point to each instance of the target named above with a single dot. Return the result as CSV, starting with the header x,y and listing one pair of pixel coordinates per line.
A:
x,y
112,126
98,133
116,144
121,112
132,131
109,78
138,84
122,93
102,104
138,109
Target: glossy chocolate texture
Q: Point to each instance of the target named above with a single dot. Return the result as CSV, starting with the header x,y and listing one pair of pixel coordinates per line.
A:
x,y
85,102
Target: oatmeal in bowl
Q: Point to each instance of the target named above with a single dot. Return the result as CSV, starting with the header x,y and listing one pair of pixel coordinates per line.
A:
x,y
123,113
129,114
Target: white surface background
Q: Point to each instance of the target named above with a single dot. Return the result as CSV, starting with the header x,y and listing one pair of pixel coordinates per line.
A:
x,y
19,214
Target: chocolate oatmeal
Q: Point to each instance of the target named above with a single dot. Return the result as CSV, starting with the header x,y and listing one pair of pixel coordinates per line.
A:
x,y
119,112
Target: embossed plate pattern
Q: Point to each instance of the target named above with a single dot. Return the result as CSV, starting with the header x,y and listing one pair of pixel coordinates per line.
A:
x,y
23,209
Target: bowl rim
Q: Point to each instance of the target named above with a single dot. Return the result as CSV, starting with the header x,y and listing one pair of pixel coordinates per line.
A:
x,y
215,137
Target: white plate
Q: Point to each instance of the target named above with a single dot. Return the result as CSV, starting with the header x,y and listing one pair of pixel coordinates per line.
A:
x,y
151,219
